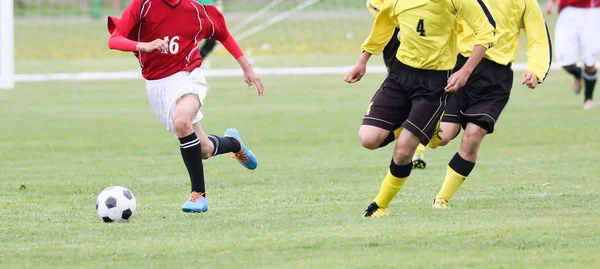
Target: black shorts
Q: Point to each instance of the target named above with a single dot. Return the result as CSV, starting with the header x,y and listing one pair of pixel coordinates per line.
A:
x,y
390,50
484,96
411,98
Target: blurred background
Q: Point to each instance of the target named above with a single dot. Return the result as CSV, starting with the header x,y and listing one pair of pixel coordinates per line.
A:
x,y
70,35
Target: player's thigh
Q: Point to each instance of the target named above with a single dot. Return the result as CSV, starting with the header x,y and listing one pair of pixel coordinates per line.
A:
x,y
567,36
426,112
160,94
591,37
389,107
486,96
372,136
188,98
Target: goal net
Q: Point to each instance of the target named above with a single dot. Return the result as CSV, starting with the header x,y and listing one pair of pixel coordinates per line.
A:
x,y
70,36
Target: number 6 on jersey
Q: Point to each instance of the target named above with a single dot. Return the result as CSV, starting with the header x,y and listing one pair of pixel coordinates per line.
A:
x,y
173,45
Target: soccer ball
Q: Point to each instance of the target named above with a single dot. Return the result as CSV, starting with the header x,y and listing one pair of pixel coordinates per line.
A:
x,y
115,204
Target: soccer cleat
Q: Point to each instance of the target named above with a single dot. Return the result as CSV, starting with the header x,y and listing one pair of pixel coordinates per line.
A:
x,y
244,156
577,85
589,104
440,203
419,162
373,210
196,204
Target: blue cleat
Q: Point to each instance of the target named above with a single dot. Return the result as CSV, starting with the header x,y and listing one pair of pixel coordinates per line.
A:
x,y
244,156
196,204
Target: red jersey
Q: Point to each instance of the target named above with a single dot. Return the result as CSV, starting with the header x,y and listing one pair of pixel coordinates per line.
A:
x,y
182,23
578,3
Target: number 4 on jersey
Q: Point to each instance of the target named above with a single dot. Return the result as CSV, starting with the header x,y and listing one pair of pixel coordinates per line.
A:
x,y
173,45
421,27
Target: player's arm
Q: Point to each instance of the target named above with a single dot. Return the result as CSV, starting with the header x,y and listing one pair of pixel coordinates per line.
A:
x,y
477,15
539,46
381,33
550,6
221,34
120,29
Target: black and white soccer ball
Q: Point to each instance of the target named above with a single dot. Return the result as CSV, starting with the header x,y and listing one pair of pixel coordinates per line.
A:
x,y
116,204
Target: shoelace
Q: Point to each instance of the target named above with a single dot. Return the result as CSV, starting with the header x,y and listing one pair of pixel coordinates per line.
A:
x,y
195,196
241,156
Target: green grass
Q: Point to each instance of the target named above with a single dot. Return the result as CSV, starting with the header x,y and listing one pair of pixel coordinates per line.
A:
x,y
531,202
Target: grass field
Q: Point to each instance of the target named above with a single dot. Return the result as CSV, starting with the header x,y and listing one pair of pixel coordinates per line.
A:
x,y
531,202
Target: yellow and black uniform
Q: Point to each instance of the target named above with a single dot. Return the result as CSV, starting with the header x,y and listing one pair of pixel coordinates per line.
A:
x,y
413,95
487,91
389,52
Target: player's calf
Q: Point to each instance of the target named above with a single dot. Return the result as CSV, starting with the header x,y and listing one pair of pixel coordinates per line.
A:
x,y
590,75
577,74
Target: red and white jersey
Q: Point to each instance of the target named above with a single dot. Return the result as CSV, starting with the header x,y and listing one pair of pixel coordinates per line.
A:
x,y
182,23
578,3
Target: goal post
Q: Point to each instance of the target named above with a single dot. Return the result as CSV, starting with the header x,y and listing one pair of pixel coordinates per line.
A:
x,y
7,60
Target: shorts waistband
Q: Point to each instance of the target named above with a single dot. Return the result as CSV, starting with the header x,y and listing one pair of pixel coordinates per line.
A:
x,y
406,68
487,61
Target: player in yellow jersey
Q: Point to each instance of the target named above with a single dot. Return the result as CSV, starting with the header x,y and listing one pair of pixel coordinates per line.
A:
x,y
413,95
477,106
389,55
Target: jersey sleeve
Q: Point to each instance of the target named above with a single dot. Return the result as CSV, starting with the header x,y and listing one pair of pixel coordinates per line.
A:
x,y
120,29
382,31
479,18
221,33
539,45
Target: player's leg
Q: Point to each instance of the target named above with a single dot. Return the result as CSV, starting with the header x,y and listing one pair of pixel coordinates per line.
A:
x,y
451,121
567,44
480,107
591,49
185,111
207,47
421,114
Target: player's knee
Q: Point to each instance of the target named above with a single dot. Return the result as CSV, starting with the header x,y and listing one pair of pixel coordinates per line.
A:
x,y
370,140
471,141
182,126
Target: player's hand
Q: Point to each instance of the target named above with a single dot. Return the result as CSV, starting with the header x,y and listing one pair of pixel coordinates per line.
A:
x,y
158,44
356,73
457,80
549,7
530,80
253,80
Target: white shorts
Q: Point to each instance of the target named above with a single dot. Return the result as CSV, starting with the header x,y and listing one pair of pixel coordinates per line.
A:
x,y
164,93
577,30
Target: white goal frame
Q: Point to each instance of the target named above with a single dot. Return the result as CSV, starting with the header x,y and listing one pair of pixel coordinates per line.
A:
x,y
7,38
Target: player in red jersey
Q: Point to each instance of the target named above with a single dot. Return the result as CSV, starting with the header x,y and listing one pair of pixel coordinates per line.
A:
x,y
577,28
164,36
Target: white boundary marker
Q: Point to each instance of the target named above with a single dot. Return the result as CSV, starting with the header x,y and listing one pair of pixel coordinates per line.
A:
x,y
339,70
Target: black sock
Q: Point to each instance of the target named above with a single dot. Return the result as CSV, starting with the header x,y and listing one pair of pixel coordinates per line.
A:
x,y
461,166
590,83
224,144
208,46
400,171
192,157
389,139
574,70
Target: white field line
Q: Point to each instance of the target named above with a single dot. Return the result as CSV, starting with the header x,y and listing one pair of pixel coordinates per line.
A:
x,y
336,70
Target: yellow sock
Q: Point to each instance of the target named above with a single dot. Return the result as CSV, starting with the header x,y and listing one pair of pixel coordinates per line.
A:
x,y
390,186
452,182
397,132
420,151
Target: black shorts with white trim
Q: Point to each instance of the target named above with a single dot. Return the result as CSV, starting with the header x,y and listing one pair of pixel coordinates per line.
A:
x,y
409,97
484,96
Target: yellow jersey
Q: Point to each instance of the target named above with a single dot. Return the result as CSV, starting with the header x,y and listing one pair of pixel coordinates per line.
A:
x,y
374,6
429,30
511,16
